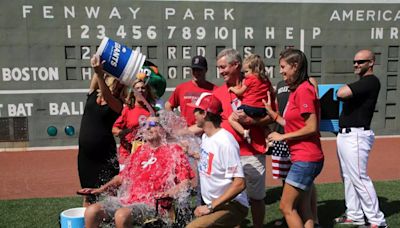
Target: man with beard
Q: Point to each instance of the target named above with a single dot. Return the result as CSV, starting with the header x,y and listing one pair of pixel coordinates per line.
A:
x,y
156,170
354,143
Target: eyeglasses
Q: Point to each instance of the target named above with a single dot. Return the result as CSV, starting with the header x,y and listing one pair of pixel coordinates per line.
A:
x,y
361,61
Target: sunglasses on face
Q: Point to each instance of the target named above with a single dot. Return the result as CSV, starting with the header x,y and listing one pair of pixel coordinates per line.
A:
x,y
152,124
361,61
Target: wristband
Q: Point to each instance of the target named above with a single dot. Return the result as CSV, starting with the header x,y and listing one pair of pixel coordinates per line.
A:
x,y
276,117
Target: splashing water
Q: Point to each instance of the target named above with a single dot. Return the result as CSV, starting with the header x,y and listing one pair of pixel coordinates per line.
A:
x,y
174,138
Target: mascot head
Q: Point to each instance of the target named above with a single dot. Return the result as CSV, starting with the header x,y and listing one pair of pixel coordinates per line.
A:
x,y
150,75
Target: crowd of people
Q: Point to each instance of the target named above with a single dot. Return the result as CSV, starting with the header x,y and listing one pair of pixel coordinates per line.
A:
x,y
236,125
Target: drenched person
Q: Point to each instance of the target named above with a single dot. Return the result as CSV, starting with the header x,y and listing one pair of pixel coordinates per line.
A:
x,y
157,169
133,115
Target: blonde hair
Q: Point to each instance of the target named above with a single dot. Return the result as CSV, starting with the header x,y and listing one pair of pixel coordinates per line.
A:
x,y
256,65
111,82
150,93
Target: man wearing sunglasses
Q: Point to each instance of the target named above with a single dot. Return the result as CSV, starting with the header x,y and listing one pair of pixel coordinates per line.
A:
x,y
156,170
354,143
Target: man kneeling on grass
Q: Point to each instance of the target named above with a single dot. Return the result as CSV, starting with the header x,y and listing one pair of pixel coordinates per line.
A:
x,y
221,174
155,170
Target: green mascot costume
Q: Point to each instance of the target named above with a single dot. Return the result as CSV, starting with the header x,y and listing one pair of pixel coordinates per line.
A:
x,y
150,75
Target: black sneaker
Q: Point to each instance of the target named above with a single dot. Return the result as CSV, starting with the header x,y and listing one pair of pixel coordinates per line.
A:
x,y
316,225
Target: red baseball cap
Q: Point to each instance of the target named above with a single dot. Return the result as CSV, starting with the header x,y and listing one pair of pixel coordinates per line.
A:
x,y
208,102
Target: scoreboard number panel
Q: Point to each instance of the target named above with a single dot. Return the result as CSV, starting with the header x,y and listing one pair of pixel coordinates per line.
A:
x,y
46,48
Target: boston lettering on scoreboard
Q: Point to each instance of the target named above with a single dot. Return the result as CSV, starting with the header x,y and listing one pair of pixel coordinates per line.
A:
x,y
45,48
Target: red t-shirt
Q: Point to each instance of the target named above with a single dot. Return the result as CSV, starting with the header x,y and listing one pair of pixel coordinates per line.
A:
x,y
303,100
130,118
185,93
151,172
256,91
256,133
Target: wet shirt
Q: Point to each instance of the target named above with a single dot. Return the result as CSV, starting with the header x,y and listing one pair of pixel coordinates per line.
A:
x,y
153,171
301,101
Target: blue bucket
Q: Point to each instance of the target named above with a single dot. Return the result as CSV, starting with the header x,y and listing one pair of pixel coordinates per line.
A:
x,y
120,61
73,218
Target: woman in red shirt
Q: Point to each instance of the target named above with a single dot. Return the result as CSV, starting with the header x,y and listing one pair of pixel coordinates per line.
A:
x,y
301,124
133,115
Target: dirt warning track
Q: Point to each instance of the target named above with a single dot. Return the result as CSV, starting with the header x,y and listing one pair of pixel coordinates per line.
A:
x,y
44,174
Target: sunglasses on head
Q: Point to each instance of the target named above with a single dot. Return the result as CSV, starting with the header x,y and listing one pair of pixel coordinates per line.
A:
x,y
361,61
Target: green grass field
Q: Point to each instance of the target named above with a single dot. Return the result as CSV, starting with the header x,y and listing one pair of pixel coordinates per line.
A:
x,y
44,213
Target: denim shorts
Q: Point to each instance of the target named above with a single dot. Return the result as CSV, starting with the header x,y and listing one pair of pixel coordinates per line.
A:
x,y
302,174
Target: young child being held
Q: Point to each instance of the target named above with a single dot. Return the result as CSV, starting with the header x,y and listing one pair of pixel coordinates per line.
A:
x,y
254,89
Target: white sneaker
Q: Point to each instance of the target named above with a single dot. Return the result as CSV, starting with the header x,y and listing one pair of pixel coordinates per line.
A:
x,y
343,220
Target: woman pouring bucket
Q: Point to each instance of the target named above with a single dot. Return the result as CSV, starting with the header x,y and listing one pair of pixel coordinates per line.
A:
x,y
127,65
97,161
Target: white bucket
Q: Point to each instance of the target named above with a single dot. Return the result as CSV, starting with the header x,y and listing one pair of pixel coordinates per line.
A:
x,y
73,218
120,61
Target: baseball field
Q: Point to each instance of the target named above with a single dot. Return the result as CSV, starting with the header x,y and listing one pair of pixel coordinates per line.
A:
x,y
36,186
